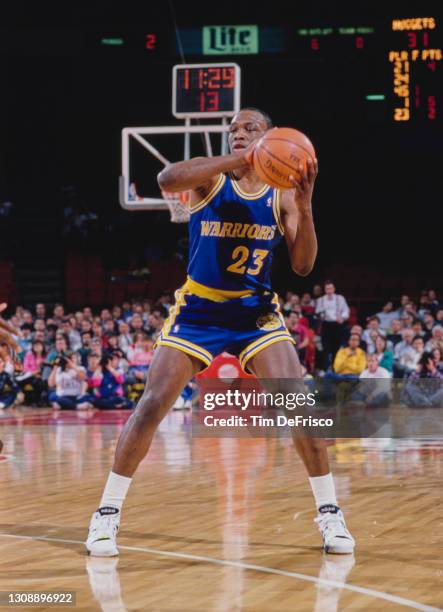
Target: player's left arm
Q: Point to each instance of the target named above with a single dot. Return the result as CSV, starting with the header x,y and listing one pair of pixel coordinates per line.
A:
x,y
298,222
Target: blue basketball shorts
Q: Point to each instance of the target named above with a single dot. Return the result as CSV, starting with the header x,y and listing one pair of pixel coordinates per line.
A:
x,y
241,326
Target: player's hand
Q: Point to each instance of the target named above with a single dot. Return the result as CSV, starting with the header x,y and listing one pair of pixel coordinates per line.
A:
x,y
305,186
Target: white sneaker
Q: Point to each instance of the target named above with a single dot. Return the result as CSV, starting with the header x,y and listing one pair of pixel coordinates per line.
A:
x,y
336,538
102,536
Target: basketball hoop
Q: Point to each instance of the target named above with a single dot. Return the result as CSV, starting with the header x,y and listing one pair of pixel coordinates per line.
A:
x,y
178,204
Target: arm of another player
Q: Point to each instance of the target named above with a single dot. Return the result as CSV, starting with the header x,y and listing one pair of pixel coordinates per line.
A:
x,y
6,332
298,223
199,174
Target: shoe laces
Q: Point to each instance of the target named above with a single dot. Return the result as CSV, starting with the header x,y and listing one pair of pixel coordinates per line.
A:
x,y
105,523
328,521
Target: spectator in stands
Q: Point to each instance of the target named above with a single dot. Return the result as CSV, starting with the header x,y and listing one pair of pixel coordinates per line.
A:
x,y
40,311
292,303
333,311
424,386
410,357
407,338
350,361
87,313
69,380
308,308
375,386
127,310
428,325
97,346
355,329
85,348
109,328
105,314
165,300
373,325
86,326
437,356
155,323
61,348
39,325
434,304
385,357
74,337
106,384
424,306
386,316
317,292
137,323
436,340
93,363
98,332
395,332
31,381
117,314
299,332
139,357
27,318
404,301
58,314
51,333
417,328
124,337
25,339
407,320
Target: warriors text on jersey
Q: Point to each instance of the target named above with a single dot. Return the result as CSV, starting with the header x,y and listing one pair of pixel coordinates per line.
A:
x,y
232,235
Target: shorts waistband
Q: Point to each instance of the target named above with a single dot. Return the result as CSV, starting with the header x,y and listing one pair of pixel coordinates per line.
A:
x,y
215,295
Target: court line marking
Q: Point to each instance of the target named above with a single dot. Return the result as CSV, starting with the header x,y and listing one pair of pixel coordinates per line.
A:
x,y
250,566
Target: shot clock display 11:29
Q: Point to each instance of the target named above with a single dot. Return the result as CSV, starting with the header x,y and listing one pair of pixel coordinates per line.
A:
x,y
205,90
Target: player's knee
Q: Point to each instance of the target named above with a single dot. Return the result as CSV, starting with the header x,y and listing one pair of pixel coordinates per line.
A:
x,y
151,408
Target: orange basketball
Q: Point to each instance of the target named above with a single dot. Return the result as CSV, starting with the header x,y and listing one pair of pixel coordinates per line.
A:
x,y
278,154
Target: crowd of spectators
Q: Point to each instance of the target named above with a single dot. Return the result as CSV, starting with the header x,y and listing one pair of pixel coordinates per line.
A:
x,y
81,359
402,343
100,359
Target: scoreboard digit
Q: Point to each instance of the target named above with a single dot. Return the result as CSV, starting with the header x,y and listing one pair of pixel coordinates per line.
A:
x,y
205,90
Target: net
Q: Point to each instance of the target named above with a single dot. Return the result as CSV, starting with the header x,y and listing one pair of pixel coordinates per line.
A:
x,y
178,204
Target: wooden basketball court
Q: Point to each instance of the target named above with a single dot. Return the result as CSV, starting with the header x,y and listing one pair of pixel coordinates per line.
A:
x,y
217,524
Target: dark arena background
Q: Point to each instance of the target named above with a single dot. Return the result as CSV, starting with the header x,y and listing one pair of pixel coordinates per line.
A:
x,y
218,521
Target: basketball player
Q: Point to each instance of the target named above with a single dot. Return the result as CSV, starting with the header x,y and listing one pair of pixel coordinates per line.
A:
x,y
227,304
6,337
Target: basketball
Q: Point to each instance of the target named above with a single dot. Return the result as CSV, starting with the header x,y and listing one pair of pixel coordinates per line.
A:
x,y
278,154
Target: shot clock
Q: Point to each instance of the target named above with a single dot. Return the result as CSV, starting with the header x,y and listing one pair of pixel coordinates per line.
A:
x,y
205,90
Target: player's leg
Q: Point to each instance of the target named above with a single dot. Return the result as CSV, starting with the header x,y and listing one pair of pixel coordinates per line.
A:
x,y
280,361
169,372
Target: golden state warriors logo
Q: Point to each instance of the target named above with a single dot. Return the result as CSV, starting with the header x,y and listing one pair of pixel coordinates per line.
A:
x,y
268,322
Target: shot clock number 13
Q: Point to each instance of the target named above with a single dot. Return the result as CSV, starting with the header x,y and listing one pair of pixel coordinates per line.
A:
x,y
205,90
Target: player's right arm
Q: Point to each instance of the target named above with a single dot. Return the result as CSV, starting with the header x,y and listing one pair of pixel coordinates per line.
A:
x,y
200,174
7,331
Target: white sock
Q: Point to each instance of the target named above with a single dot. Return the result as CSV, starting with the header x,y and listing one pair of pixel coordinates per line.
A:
x,y
115,491
323,489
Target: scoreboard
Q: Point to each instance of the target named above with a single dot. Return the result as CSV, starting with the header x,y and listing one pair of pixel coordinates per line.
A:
x,y
399,58
391,63
416,68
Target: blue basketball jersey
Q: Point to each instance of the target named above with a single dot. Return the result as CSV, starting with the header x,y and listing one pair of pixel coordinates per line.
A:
x,y
232,235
